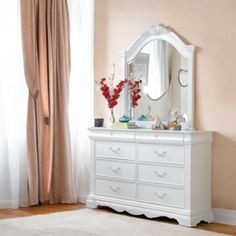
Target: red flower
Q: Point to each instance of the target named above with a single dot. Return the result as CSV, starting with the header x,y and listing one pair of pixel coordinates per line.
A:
x,y
134,87
111,94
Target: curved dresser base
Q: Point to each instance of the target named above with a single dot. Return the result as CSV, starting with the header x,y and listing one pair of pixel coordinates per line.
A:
x,y
150,211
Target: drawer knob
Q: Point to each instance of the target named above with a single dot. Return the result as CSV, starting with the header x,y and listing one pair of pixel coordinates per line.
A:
x,y
160,154
161,196
162,175
115,150
115,169
115,188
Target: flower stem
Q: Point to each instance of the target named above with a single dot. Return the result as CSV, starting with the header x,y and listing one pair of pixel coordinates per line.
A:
x,y
112,115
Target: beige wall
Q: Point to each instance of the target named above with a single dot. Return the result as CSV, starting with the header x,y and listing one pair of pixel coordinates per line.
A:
x,y
211,26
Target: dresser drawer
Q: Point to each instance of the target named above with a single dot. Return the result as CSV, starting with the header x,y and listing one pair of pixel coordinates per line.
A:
x,y
159,136
173,197
173,154
161,174
122,150
112,134
118,189
115,169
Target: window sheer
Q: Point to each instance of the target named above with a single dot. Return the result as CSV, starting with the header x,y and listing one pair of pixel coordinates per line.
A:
x,y
13,109
81,89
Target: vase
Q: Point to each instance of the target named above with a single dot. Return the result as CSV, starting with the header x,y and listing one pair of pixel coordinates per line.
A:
x,y
112,118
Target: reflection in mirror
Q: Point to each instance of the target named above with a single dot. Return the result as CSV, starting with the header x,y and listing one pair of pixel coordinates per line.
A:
x,y
152,66
163,71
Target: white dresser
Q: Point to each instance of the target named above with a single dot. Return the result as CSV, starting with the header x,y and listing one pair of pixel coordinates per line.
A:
x,y
155,173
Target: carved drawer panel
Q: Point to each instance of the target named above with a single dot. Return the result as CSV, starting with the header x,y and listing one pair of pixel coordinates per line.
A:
x,y
161,174
118,189
115,169
160,195
173,154
122,150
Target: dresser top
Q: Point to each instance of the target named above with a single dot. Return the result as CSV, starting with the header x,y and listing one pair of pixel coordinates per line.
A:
x,y
147,130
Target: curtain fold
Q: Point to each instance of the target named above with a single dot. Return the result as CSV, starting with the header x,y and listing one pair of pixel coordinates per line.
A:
x,y
46,50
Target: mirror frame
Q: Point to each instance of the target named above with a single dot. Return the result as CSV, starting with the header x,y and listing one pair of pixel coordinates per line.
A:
x,y
163,33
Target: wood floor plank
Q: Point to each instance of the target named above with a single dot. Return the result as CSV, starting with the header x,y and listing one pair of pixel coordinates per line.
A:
x,y
46,209
220,228
35,210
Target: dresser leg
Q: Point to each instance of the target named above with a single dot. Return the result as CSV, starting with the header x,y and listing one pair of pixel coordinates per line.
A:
x,y
195,220
90,202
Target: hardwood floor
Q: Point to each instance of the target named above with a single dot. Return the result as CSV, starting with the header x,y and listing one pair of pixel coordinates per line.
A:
x,y
35,210
220,228
46,209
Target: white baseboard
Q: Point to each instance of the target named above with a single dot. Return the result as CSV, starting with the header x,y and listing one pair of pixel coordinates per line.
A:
x,y
224,216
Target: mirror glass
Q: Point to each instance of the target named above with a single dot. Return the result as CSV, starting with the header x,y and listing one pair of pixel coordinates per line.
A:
x,y
163,71
152,66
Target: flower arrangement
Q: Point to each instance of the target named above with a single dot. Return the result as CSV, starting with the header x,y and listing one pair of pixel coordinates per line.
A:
x,y
110,92
134,90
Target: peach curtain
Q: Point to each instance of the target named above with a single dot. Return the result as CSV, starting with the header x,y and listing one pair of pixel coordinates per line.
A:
x,y
46,51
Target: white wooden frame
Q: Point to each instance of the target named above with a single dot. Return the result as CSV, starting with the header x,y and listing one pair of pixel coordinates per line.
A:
x,y
163,33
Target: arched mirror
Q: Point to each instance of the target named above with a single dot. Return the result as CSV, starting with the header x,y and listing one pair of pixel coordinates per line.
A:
x,y
164,63
152,65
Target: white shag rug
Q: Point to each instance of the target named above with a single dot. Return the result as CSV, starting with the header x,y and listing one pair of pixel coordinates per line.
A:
x,y
87,222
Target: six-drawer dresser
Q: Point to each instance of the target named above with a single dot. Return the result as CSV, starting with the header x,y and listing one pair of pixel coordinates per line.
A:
x,y
155,173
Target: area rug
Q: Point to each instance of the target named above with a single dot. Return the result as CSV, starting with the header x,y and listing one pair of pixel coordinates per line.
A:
x,y
87,222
